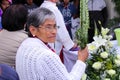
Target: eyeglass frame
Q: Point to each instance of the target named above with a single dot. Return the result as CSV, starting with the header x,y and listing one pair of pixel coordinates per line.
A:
x,y
49,28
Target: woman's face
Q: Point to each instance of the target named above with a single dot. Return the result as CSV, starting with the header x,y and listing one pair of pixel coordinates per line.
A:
x,y
47,31
5,4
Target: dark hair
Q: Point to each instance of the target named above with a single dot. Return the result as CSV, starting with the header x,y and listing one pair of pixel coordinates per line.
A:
x,y
14,17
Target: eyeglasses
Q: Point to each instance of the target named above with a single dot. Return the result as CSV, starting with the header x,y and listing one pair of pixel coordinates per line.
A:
x,y
48,28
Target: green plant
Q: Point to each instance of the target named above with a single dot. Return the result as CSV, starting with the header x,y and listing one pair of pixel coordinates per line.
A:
x,y
82,32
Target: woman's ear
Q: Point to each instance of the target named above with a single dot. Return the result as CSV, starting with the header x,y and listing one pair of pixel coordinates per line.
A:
x,y
33,30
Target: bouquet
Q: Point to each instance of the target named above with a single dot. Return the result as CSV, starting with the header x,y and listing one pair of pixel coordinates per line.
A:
x,y
103,62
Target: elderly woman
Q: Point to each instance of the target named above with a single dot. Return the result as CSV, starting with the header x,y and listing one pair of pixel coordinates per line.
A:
x,y
35,60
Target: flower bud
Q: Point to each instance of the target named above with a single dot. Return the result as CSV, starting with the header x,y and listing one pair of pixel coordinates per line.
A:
x,y
117,62
118,56
104,55
111,72
97,65
107,79
84,77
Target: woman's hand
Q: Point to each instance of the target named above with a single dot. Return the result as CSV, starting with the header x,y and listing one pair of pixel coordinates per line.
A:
x,y
83,54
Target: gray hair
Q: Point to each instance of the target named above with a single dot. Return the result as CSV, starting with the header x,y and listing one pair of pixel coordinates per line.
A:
x,y
38,16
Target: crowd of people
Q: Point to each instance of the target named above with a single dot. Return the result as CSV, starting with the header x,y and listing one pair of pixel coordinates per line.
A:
x,y
34,37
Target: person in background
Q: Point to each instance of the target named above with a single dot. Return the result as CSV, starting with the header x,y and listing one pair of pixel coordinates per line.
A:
x,y
30,5
63,38
76,4
8,73
75,20
3,5
68,11
12,34
35,60
98,17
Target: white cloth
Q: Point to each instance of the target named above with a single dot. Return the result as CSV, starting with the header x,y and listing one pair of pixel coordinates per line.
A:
x,y
35,61
70,58
63,37
96,5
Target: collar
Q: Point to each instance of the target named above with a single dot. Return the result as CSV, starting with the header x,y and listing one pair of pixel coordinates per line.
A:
x,y
40,40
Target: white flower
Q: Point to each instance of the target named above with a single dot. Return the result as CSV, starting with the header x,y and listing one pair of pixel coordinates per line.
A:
x,y
99,41
111,72
109,37
84,77
91,47
104,54
97,65
118,56
117,62
104,31
110,44
106,78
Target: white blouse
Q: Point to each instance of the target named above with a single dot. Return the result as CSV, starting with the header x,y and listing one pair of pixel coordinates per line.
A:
x,y
35,61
